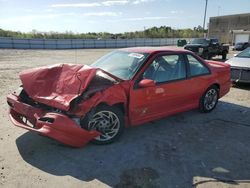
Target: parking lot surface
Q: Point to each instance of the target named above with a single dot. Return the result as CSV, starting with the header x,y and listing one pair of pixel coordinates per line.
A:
x,y
190,149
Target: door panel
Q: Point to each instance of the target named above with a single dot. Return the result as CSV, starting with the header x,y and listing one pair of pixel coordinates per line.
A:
x,y
147,104
180,92
169,93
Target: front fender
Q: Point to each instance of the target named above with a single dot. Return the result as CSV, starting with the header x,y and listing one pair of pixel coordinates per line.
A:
x,y
113,95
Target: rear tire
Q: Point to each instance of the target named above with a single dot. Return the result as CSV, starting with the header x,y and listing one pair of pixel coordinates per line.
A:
x,y
209,99
224,55
206,55
109,120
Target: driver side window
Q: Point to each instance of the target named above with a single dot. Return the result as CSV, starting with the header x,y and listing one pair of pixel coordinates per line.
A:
x,y
166,68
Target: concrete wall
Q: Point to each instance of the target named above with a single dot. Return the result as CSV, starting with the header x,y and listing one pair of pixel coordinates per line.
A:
x,y
221,27
82,43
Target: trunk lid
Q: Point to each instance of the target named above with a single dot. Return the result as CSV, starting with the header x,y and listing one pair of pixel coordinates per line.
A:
x,y
218,65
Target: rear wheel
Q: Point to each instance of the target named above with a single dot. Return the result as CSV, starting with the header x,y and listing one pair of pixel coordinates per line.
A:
x,y
206,55
224,55
209,99
108,120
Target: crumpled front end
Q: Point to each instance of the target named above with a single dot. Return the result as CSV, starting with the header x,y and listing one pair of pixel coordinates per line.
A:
x,y
54,100
55,125
57,85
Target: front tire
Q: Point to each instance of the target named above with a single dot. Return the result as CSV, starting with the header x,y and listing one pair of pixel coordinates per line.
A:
x,y
109,120
209,99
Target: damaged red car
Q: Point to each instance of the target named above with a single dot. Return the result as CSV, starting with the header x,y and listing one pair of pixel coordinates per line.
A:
x,y
75,104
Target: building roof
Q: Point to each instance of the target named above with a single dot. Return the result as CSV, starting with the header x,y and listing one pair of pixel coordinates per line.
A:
x,y
232,15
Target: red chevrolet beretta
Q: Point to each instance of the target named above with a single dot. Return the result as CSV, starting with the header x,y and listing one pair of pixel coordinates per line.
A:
x,y
75,104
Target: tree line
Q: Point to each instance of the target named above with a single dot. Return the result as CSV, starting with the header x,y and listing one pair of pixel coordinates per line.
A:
x,y
153,32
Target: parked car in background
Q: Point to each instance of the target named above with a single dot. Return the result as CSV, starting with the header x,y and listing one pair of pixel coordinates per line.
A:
x,y
208,48
241,46
75,104
240,66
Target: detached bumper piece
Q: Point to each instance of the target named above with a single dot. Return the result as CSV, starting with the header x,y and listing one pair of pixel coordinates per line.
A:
x,y
54,125
240,74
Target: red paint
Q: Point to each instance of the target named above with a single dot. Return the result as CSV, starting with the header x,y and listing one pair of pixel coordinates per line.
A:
x,y
57,86
63,129
146,83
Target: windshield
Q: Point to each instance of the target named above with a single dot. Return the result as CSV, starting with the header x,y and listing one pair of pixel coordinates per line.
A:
x,y
121,64
245,53
200,41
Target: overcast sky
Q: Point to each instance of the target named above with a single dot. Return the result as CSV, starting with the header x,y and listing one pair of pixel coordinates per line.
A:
x,y
111,15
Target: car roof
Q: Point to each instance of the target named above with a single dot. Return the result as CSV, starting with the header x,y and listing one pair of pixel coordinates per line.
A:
x,y
152,50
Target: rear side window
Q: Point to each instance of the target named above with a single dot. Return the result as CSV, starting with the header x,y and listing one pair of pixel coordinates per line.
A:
x,y
196,67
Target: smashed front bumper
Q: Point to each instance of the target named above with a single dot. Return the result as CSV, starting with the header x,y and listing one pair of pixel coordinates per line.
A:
x,y
54,125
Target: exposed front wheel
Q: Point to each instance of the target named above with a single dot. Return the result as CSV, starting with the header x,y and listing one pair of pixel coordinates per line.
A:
x,y
209,99
107,120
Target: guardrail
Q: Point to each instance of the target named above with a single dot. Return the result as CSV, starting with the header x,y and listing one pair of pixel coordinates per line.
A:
x,y
14,43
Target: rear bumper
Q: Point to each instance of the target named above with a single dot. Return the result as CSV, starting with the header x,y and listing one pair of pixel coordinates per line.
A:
x,y
54,125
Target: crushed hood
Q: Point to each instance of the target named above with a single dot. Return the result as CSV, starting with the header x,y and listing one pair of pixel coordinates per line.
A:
x,y
57,85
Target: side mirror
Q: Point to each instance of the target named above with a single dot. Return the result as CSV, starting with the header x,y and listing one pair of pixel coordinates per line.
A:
x,y
146,83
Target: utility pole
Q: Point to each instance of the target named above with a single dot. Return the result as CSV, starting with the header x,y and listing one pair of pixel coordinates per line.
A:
x,y
205,15
219,10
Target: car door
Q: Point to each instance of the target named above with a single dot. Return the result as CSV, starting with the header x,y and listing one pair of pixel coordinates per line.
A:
x,y
169,94
214,46
199,78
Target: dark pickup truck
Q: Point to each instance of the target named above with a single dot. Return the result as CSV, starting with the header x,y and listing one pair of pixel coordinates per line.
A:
x,y
207,48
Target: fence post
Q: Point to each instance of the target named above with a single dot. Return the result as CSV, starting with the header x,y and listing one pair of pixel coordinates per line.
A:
x,y
29,43
12,43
